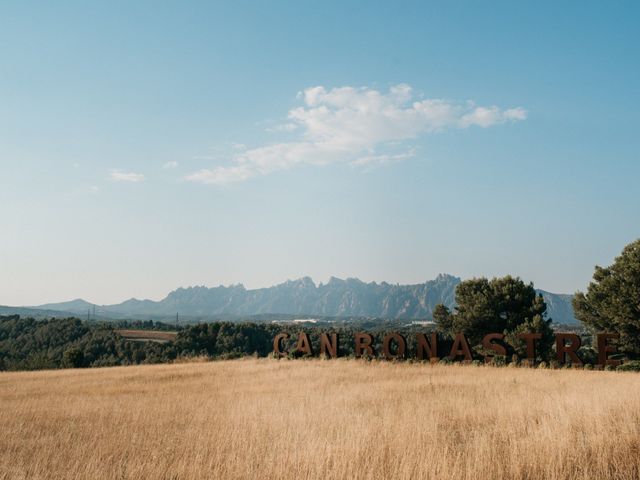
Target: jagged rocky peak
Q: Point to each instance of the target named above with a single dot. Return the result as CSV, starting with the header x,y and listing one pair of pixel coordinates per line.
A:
x,y
304,282
338,297
335,281
445,277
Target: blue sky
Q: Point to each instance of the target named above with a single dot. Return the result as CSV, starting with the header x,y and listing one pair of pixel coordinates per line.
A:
x,y
150,145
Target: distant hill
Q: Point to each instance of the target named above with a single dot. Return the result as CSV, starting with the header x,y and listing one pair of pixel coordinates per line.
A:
x,y
336,298
77,305
35,312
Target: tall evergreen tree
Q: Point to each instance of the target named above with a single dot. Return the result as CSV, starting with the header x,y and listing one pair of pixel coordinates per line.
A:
x,y
501,305
612,301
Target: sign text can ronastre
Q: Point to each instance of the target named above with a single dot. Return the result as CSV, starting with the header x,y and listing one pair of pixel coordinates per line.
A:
x,y
394,346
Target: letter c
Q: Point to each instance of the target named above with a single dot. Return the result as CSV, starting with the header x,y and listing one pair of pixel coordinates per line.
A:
x,y
277,343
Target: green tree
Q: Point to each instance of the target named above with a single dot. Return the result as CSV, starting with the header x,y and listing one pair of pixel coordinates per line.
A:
x,y
537,324
72,358
443,318
502,305
612,301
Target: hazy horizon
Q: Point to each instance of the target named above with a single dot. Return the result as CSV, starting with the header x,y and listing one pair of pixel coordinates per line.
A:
x,y
316,282
149,146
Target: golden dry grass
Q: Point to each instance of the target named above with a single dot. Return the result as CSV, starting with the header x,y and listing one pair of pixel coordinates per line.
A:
x,y
319,419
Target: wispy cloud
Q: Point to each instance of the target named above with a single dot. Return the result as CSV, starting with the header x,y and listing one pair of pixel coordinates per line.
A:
x,y
171,164
357,126
283,127
120,176
372,160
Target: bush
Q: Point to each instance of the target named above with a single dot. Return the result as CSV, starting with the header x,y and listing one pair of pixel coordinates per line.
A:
x,y
631,366
588,355
499,360
72,358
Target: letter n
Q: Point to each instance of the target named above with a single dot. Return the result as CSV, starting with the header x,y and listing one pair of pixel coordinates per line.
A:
x,y
328,347
431,348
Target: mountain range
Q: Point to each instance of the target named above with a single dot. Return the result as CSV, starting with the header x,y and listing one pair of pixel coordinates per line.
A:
x,y
336,298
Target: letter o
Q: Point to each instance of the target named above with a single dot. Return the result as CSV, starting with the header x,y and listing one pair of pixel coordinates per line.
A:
x,y
386,346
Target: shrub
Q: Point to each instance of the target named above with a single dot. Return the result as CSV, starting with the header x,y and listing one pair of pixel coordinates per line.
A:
x,y
499,360
72,358
630,366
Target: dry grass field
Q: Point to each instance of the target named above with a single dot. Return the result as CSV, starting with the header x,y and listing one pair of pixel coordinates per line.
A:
x,y
148,335
319,419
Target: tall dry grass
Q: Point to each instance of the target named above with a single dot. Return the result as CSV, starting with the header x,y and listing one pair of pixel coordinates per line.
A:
x,y
319,419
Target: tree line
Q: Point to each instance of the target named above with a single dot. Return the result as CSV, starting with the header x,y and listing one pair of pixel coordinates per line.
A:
x,y
505,305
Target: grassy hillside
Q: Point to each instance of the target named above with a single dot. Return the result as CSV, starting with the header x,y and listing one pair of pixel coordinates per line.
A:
x,y
319,419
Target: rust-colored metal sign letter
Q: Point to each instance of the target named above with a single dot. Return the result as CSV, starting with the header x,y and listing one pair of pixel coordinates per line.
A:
x,y
531,338
304,344
604,349
431,347
400,342
460,348
364,341
277,344
328,347
487,344
562,349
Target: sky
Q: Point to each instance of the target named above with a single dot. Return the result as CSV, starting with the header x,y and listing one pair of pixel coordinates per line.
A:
x,y
146,146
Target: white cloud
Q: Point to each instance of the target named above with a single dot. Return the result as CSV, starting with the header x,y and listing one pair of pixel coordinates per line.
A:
x,y
170,164
221,175
361,126
372,160
120,176
283,127
488,116
517,113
